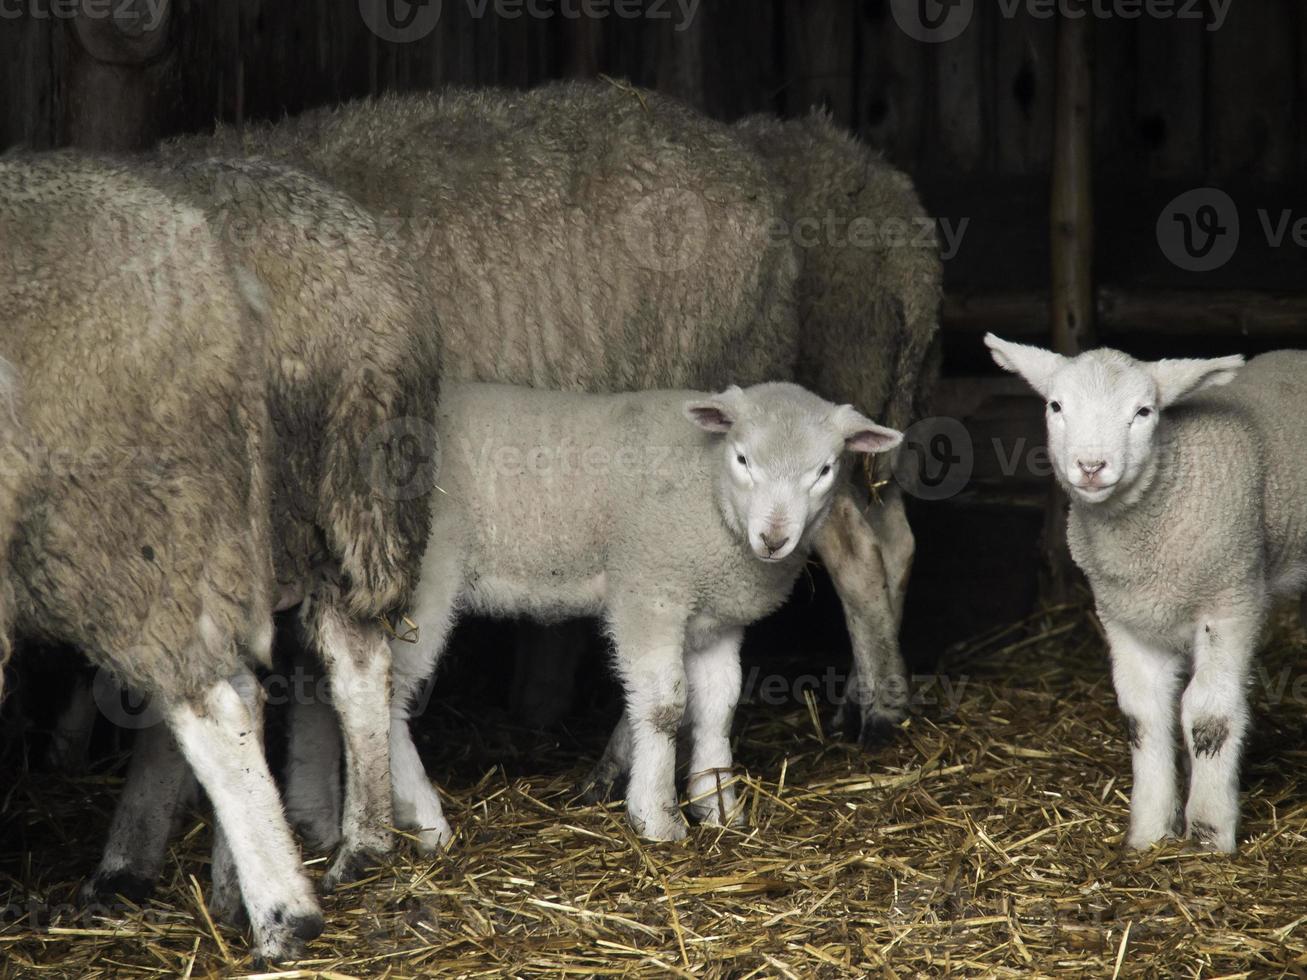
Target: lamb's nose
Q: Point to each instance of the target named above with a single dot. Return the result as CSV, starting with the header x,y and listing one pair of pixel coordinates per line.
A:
x,y
1091,467
774,540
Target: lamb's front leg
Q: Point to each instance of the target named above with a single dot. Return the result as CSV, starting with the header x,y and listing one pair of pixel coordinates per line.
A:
x,y
650,662
1214,718
715,677
1147,679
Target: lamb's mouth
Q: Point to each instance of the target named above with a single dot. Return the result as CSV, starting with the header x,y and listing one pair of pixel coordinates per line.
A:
x,y
1094,491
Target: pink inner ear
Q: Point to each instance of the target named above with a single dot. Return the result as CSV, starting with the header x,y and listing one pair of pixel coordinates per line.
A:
x,y
710,417
871,441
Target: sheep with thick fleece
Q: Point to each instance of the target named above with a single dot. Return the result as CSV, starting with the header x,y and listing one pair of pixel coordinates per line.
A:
x,y
591,237
350,346
1188,518
133,497
678,532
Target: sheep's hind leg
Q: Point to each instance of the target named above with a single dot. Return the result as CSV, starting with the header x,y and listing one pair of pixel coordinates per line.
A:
x,y
606,782
217,734
860,567
417,802
1214,718
157,778
313,753
715,677
358,663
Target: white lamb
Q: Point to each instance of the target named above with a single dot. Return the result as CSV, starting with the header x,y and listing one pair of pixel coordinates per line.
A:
x,y
679,534
1188,517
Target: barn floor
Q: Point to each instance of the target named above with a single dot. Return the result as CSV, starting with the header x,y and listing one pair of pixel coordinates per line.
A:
x,y
987,840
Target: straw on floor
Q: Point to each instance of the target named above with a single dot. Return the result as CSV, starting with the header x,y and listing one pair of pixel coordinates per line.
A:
x,y
986,840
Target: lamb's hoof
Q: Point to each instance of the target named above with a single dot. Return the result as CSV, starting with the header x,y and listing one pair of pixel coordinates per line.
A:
x,y
603,785
433,840
283,936
711,816
879,731
352,865
107,887
661,827
1207,837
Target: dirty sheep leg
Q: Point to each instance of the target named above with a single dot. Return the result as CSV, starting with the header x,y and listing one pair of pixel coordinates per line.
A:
x,y
867,573
358,662
157,781
218,735
714,675
606,782
313,753
1214,719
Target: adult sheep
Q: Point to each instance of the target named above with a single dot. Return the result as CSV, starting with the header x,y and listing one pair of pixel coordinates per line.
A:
x,y
352,370
589,236
134,497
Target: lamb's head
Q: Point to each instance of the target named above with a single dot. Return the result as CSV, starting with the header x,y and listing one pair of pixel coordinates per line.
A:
x,y
782,449
1104,408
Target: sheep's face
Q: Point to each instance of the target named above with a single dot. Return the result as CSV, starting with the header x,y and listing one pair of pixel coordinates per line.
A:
x,y
782,452
1103,409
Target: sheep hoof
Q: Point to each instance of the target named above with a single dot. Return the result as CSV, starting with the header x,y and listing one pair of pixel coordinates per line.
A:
x,y
105,887
434,839
351,865
227,907
284,937
879,731
319,835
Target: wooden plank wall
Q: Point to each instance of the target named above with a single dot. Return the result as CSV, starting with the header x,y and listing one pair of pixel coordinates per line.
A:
x,y
1174,99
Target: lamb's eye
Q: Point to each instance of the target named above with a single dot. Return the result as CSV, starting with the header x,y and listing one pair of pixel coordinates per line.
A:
x,y
1055,407
1143,413
741,460
824,470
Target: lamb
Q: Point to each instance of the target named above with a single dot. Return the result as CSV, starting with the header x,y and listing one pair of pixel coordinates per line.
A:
x,y
598,238
677,533
1187,518
134,496
351,348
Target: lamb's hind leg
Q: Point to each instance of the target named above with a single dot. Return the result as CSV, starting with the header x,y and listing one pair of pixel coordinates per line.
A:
x,y
358,662
217,735
871,579
1214,718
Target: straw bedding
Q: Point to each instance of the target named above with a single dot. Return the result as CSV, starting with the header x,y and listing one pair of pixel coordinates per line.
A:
x,y
986,841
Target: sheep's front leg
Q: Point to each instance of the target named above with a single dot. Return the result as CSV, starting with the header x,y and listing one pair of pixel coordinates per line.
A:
x,y
313,753
217,734
868,577
1147,679
650,662
714,675
1214,718
357,658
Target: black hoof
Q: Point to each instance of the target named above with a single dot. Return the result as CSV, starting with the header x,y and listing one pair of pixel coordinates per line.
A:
x,y
105,887
307,927
878,732
599,790
348,868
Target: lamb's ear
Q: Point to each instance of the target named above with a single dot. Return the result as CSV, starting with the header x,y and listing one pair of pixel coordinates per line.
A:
x,y
1178,378
1034,364
716,414
862,435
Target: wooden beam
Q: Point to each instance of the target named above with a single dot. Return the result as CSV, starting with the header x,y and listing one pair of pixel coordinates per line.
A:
x,y
1276,317
1072,212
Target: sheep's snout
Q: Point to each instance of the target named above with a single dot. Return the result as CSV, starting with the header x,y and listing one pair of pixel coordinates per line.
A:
x,y
773,541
